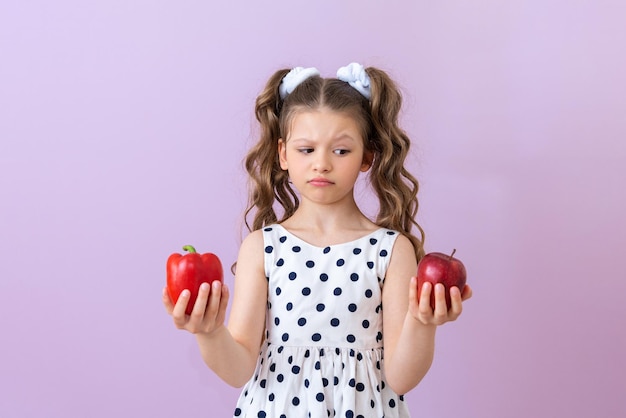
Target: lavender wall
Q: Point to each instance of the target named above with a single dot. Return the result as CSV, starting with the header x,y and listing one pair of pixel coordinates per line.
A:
x,y
122,129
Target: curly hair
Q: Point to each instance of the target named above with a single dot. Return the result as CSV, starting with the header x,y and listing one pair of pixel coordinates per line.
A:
x,y
395,187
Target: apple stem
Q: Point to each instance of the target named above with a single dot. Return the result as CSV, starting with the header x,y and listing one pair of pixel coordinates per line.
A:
x,y
451,255
189,248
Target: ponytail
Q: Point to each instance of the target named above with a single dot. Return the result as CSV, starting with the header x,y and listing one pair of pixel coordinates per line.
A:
x,y
267,180
394,185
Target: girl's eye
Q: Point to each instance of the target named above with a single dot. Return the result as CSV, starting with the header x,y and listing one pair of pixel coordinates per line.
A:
x,y
341,151
305,150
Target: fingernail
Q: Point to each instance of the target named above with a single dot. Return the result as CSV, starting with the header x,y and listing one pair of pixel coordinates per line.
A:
x,y
204,286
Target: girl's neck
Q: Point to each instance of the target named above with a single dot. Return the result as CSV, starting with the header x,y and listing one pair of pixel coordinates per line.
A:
x,y
328,224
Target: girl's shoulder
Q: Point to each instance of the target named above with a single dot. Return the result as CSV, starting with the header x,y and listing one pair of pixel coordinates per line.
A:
x,y
252,243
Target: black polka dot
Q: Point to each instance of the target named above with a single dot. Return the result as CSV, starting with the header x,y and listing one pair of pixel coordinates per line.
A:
x,y
365,323
316,337
323,277
337,291
370,264
306,291
280,262
334,322
341,262
285,336
354,277
320,307
302,322
351,338
383,253
296,249
310,264
289,306
320,397
293,275
352,307
373,241
269,249
282,239
326,250
368,293
356,251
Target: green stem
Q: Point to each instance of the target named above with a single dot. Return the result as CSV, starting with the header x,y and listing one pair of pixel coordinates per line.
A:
x,y
189,248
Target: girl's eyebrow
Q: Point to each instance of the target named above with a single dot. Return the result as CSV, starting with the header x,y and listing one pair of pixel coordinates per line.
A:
x,y
335,139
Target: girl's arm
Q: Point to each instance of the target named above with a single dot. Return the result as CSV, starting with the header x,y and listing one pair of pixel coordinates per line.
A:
x,y
230,351
409,325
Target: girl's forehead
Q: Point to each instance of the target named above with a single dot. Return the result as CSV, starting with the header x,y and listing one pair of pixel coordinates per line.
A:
x,y
322,117
323,124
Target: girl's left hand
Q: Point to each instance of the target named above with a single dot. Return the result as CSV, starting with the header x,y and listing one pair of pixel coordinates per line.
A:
x,y
422,311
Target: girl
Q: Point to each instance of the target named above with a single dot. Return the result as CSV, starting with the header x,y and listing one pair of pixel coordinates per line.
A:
x,y
325,318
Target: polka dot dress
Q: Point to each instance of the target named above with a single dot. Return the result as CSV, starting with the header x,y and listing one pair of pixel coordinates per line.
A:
x,y
323,352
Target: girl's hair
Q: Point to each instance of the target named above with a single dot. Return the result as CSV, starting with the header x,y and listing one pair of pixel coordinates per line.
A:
x,y
394,186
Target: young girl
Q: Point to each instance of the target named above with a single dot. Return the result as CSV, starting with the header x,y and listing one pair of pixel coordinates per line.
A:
x,y
325,318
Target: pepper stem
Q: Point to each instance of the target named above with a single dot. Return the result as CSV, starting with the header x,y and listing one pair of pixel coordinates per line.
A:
x,y
189,248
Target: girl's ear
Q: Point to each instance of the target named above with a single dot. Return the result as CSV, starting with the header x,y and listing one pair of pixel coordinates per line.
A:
x,y
282,153
368,158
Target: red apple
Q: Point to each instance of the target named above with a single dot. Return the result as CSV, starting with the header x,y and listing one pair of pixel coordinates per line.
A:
x,y
440,268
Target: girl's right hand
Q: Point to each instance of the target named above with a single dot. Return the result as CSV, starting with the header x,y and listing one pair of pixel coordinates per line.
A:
x,y
209,310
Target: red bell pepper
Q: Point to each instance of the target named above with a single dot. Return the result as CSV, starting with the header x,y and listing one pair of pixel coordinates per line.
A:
x,y
189,271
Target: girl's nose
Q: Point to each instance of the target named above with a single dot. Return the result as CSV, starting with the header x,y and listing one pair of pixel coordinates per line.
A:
x,y
322,163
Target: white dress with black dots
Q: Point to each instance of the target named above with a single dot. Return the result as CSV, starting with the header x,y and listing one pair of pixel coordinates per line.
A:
x,y
323,353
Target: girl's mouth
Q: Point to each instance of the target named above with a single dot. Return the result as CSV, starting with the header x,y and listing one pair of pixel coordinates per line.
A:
x,y
320,181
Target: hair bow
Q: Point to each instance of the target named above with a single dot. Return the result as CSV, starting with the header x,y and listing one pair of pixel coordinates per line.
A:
x,y
355,75
293,78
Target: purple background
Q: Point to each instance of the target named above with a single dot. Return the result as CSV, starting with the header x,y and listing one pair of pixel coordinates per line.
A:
x,y
123,125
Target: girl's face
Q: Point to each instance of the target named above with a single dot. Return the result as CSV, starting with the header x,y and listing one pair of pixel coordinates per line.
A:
x,y
324,153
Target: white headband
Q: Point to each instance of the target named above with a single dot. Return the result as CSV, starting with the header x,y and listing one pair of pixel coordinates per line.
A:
x,y
353,74
293,78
